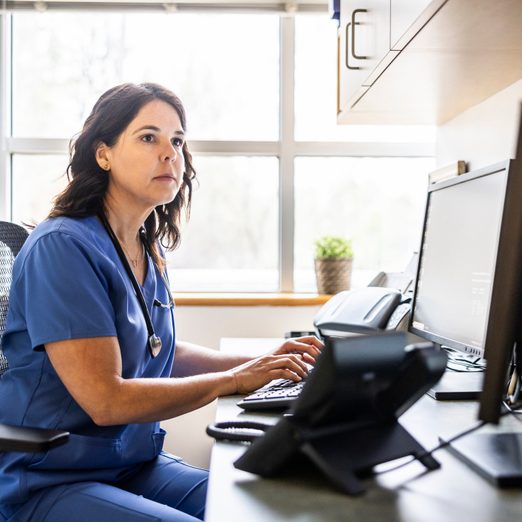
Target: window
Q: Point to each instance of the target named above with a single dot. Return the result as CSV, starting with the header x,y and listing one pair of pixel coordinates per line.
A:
x,y
36,180
376,202
231,240
228,80
270,180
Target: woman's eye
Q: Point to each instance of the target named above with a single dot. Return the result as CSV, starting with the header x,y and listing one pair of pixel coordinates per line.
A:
x,y
177,142
148,138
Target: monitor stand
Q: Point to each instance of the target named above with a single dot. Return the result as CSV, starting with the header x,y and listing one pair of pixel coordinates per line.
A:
x,y
457,386
495,456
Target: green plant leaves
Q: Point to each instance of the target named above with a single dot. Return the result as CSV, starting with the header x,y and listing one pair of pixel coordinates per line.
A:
x,y
333,247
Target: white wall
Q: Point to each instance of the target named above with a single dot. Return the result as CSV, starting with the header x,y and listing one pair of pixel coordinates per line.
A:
x,y
206,325
484,134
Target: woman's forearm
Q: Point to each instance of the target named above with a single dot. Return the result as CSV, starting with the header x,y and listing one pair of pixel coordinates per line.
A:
x,y
193,359
148,400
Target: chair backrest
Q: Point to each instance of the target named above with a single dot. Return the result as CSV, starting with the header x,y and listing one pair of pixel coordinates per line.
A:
x,y
12,237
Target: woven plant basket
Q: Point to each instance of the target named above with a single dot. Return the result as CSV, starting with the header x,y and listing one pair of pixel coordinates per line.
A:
x,y
333,275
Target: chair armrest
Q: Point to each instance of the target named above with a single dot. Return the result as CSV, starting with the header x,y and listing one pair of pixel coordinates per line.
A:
x,y
31,440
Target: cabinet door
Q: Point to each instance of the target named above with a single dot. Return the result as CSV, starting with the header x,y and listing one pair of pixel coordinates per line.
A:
x,y
403,15
364,40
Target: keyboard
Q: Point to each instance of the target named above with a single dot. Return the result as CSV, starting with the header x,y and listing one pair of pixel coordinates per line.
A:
x,y
276,395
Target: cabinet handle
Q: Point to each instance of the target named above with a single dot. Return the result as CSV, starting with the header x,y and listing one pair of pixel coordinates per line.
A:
x,y
347,53
354,23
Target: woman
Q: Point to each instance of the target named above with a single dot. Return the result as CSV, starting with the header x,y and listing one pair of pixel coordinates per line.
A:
x,y
90,333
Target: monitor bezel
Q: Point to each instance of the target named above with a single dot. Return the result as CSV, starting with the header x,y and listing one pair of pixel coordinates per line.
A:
x,y
504,320
467,177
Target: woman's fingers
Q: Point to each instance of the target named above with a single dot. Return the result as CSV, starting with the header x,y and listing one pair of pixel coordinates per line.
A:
x,y
309,346
307,349
310,339
258,372
292,362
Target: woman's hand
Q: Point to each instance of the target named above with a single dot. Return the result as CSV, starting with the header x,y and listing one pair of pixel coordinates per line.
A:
x,y
309,347
289,361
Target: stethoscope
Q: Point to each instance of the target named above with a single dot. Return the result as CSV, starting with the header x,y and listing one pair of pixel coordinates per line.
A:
x,y
154,341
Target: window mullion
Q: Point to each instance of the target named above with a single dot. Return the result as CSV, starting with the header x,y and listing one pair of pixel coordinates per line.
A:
x,y
286,155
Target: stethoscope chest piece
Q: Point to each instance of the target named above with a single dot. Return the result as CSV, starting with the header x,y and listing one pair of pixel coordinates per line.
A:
x,y
154,342
154,345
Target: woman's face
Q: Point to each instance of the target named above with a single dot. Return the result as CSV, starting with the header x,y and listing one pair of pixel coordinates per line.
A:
x,y
146,163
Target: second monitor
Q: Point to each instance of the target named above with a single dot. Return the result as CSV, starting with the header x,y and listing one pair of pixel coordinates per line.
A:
x,y
456,268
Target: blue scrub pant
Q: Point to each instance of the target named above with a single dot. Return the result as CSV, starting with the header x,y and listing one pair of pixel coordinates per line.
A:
x,y
165,489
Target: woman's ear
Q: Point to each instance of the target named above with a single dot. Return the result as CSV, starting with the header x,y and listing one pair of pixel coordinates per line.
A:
x,y
103,156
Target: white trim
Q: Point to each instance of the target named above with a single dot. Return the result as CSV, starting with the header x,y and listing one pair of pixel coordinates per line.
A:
x,y
234,148
170,6
253,148
37,146
286,155
374,149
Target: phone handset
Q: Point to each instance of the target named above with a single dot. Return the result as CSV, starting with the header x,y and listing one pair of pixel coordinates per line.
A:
x,y
357,311
400,317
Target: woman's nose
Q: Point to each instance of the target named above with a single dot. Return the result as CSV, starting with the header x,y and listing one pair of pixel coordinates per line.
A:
x,y
170,154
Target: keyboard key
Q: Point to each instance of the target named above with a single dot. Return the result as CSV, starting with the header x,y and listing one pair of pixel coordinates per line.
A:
x,y
278,394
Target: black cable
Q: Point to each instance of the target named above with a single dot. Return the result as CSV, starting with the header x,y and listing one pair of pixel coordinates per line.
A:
x,y
441,445
468,364
238,431
514,412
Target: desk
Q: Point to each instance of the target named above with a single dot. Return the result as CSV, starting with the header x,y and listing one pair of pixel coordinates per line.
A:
x,y
451,493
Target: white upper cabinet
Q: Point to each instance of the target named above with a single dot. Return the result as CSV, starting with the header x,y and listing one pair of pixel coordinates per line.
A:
x,y
364,45
403,15
443,57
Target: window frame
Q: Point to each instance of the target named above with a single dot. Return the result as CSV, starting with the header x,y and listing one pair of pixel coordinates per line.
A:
x,y
286,148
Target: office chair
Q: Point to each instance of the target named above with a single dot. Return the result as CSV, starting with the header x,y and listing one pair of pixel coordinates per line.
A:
x,y
15,438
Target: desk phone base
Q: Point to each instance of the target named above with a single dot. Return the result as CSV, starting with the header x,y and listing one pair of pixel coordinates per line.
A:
x,y
335,450
495,456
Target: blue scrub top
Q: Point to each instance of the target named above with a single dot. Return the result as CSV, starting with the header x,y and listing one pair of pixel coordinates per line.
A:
x,y
69,283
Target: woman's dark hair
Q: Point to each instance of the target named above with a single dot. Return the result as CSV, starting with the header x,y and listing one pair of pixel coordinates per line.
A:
x,y
88,182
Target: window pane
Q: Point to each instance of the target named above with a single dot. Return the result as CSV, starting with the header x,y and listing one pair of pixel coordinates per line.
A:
x,y
231,240
224,67
316,91
377,202
37,179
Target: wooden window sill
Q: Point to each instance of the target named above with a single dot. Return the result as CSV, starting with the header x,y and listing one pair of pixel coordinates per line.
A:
x,y
248,299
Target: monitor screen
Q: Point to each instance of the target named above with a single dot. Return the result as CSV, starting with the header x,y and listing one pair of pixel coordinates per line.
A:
x,y
457,259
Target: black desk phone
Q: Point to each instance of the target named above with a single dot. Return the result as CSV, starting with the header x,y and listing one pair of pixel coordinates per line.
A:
x,y
384,304
346,419
362,311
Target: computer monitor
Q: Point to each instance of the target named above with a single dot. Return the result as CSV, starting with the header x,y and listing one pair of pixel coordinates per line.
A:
x,y
457,263
458,257
498,456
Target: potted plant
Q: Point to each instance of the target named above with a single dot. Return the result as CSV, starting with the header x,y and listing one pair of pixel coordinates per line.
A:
x,y
333,264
